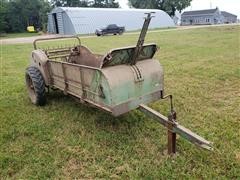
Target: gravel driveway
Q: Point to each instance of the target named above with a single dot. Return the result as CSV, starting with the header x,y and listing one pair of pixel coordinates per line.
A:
x,y
31,39
26,39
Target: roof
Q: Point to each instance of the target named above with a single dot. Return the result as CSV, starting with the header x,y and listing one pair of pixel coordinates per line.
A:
x,y
199,12
60,9
227,14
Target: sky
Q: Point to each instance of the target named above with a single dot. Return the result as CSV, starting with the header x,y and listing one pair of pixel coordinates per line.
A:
x,y
231,6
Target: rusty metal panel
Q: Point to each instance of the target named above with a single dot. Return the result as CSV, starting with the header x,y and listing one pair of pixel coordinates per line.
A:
x,y
124,55
56,68
77,78
75,87
58,81
39,59
72,73
56,73
88,76
86,57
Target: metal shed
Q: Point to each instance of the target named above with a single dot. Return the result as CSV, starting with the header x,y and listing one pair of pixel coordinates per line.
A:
x,y
74,20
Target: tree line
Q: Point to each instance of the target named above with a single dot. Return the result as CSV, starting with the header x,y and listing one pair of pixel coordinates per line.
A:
x,y
16,15
169,6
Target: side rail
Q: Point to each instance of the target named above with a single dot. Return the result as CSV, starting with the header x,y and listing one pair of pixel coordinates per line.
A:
x,y
80,81
55,38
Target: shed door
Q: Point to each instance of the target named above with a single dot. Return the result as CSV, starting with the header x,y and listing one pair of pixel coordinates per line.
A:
x,y
55,23
60,23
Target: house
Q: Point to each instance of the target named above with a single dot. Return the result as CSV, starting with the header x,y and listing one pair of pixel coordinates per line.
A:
x,y
200,17
76,20
228,17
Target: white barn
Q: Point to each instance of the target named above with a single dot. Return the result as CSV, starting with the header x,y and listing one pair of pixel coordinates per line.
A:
x,y
74,20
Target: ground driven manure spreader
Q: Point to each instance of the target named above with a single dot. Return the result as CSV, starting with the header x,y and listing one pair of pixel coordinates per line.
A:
x,y
121,80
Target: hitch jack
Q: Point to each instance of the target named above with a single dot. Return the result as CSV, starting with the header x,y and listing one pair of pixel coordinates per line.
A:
x,y
173,128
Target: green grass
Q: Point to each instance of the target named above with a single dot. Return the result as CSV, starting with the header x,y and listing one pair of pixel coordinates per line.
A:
x,y
17,35
154,29
65,139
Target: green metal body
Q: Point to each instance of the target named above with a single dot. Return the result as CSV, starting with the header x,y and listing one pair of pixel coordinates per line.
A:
x,y
112,85
117,82
123,91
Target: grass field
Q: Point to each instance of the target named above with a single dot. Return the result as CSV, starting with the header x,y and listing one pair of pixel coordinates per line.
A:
x,y
18,35
65,139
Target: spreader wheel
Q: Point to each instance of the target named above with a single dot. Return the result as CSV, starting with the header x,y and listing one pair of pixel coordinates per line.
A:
x,y
35,86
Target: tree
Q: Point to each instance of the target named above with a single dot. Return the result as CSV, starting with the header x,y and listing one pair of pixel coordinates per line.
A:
x,y
85,3
105,4
23,13
43,17
70,3
3,16
169,6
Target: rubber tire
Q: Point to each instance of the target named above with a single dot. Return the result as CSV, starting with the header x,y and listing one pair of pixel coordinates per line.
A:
x,y
35,85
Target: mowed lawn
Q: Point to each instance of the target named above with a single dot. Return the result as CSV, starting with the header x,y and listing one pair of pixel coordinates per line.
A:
x,y
65,139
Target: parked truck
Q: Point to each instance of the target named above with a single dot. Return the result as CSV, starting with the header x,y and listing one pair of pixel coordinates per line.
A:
x,y
110,29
